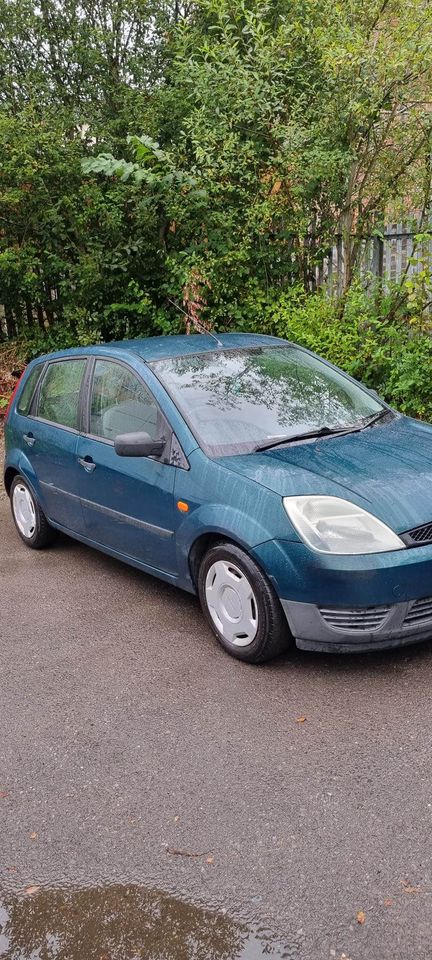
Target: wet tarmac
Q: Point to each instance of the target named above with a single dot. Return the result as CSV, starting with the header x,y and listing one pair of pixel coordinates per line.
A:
x,y
123,923
298,793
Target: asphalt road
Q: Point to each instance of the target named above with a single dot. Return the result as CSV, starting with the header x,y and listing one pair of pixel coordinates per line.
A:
x,y
124,730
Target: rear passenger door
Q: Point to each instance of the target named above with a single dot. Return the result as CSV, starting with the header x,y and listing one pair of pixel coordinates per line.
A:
x,y
51,439
127,501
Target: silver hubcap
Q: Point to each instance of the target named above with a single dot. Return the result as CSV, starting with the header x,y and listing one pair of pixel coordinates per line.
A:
x,y
232,603
24,510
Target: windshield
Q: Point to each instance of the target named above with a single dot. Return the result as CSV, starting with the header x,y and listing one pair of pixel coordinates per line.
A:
x,y
235,400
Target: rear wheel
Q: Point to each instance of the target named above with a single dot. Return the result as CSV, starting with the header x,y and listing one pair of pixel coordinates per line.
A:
x,y
241,605
30,521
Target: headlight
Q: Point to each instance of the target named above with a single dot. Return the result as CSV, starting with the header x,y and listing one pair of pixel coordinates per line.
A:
x,y
332,525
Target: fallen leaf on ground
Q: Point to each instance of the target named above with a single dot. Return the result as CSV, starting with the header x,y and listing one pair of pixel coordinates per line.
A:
x,y
301,719
31,890
33,836
3,794
388,903
184,853
176,819
409,888
361,917
210,860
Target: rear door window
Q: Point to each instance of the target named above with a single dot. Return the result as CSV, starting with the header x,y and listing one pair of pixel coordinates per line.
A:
x,y
60,392
27,393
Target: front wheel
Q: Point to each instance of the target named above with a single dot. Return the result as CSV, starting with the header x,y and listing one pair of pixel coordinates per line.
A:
x,y
241,605
30,521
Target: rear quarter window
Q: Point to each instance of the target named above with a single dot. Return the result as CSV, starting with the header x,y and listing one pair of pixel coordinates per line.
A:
x,y
27,392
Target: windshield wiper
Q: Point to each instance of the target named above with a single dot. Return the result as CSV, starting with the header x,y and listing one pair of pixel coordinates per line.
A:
x,y
368,421
321,432
324,431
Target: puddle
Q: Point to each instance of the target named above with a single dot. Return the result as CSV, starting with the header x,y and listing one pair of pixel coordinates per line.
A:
x,y
123,923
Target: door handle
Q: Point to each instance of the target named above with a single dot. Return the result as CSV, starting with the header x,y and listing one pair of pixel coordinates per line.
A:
x,y
29,438
87,463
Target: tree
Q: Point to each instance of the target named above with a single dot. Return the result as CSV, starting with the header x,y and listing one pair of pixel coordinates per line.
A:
x,y
377,65
310,120
226,146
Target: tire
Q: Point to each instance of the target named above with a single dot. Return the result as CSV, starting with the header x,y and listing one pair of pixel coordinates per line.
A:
x,y
241,606
30,521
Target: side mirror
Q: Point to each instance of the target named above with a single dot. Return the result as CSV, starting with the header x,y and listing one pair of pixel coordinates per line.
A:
x,y
137,445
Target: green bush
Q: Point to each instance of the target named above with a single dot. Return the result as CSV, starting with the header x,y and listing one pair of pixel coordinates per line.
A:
x,y
34,342
374,344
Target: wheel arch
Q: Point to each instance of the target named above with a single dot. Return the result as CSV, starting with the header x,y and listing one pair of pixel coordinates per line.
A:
x,y
9,475
201,545
19,464
205,541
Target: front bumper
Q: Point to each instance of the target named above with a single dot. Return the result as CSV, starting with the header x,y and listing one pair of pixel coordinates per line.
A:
x,y
336,603
350,630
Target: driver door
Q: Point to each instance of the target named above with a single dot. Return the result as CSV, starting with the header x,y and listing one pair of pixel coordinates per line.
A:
x,y
127,502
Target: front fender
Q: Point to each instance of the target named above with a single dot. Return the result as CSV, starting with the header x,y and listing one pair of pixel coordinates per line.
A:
x,y
224,520
225,503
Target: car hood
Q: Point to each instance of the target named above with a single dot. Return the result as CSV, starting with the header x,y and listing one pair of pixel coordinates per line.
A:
x,y
386,468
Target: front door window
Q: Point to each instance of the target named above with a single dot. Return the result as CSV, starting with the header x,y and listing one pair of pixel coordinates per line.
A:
x,y
120,403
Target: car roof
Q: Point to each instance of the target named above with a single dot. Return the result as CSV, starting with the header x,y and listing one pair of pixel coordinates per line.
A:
x,y
176,345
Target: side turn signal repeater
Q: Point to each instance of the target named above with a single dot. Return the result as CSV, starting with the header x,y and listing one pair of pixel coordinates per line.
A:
x,y
182,506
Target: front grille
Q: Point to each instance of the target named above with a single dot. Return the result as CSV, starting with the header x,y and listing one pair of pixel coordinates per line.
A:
x,y
365,619
420,611
418,535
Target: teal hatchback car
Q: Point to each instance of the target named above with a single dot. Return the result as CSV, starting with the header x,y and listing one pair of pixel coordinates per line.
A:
x,y
243,468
